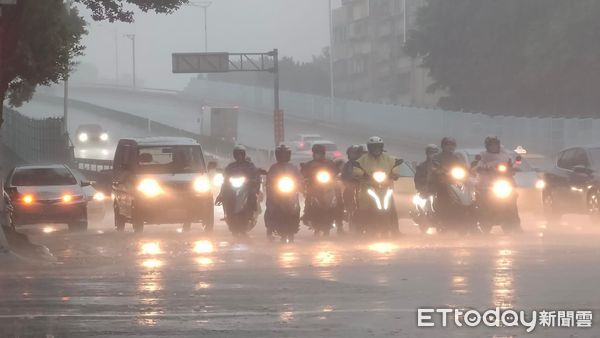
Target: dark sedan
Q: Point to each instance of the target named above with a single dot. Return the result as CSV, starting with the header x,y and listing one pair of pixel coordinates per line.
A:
x,y
573,184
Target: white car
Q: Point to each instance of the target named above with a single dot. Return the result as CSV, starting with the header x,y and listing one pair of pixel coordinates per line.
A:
x,y
332,152
303,140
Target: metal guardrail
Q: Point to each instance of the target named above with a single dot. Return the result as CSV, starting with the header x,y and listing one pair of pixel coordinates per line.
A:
x,y
35,140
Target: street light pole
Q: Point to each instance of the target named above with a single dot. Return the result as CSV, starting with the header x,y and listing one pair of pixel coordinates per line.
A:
x,y
204,5
331,83
66,85
132,38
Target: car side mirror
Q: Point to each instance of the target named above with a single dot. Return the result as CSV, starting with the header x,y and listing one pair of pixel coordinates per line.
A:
x,y
86,183
212,165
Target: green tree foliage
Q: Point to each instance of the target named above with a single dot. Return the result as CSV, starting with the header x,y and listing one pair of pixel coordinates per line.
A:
x,y
39,40
524,57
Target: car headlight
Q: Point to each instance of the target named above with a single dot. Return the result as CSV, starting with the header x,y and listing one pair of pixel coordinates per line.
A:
x,y
286,185
83,137
67,198
237,182
104,137
218,180
99,196
502,188
150,187
323,177
458,173
540,184
379,176
28,199
202,184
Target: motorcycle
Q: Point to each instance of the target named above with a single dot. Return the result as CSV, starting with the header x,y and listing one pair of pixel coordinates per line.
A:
x,y
378,216
322,201
452,207
283,213
423,214
496,197
240,216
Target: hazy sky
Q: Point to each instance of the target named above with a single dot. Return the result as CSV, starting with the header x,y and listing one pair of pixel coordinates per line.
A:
x,y
299,28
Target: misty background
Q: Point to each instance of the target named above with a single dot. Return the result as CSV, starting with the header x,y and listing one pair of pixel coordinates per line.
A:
x,y
299,28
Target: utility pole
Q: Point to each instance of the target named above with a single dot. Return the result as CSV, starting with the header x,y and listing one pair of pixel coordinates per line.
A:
x,y
404,15
331,83
117,55
132,38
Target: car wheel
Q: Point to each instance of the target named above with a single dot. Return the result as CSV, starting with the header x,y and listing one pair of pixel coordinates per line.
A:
x,y
594,205
552,211
80,226
138,226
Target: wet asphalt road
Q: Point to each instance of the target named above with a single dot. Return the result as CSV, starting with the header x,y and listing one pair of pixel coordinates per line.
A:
x,y
165,283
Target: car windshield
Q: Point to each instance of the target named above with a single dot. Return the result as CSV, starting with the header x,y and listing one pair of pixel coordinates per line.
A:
x,y
170,159
42,177
92,128
311,138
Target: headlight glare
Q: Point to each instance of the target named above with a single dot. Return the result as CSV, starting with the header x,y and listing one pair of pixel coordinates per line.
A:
x,y
150,187
202,184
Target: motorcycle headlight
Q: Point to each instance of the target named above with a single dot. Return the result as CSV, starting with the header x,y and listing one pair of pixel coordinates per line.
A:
x,y
202,184
104,137
502,168
323,177
458,173
99,196
218,180
419,201
150,187
286,185
83,137
540,184
237,182
502,188
379,176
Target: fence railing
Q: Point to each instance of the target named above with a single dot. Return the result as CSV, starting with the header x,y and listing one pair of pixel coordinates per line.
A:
x,y
540,135
35,140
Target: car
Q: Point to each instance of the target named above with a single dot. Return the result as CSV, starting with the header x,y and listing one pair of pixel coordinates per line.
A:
x,y
573,184
160,180
529,182
42,194
332,151
91,134
302,141
96,207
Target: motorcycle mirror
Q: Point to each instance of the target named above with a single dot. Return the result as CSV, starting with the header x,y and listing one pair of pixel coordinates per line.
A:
x,y
477,158
398,162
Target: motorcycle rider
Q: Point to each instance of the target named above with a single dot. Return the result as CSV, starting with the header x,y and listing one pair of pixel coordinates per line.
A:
x,y
283,167
493,155
309,170
423,170
241,166
350,182
375,159
441,165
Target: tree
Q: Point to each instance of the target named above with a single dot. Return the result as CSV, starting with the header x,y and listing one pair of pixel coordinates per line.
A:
x,y
523,57
39,39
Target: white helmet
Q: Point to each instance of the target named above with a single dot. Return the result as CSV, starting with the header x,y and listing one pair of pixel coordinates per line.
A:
x,y
375,145
375,140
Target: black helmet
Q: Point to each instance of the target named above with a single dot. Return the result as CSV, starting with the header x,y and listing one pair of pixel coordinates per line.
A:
x,y
375,145
354,152
283,154
239,153
319,149
431,149
492,144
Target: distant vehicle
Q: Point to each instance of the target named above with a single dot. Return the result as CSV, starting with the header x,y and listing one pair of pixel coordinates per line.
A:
x,y
161,180
303,140
573,184
91,134
97,200
47,194
529,182
332,151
